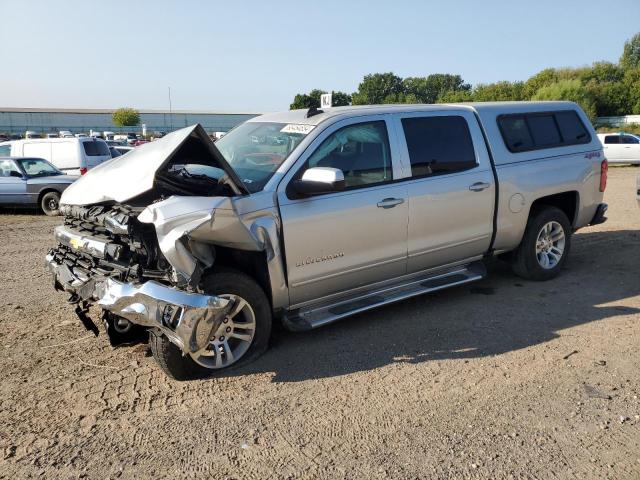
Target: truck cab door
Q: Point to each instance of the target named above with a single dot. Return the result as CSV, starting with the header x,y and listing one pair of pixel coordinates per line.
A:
x,y
451,188
344,240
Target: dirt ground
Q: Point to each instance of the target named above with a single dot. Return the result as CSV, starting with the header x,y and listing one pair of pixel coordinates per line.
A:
x,y
500,379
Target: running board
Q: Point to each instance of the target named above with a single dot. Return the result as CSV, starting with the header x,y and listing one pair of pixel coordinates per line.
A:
x,y
319,315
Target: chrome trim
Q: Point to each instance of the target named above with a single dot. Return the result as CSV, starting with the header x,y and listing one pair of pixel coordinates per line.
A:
x,y
188,319
83,243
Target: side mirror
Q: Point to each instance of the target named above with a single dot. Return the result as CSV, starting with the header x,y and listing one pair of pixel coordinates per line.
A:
x,y
13,173
319,180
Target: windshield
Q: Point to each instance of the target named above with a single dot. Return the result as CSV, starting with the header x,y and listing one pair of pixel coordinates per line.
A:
x,y
37,167
255,150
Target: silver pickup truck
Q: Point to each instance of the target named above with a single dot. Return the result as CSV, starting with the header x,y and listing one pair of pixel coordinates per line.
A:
x,y
306,217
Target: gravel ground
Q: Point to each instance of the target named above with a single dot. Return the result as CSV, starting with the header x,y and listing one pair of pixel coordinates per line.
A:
x,y
500,379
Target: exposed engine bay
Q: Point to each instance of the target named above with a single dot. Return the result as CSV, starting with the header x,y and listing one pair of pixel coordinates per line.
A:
x,y
140,230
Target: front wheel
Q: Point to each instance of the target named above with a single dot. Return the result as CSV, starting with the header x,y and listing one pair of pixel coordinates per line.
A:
x,y
50,204
545,245
241,338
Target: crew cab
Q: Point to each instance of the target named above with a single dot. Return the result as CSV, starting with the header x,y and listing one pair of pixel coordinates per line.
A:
x,y
621,147
309,216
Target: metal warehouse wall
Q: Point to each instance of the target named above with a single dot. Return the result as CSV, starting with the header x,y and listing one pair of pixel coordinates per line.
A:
x,y
15,120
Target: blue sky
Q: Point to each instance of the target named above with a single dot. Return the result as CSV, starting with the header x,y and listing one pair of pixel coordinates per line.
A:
x,y
253,56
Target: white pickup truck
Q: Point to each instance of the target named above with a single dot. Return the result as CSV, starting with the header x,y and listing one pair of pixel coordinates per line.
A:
x,y
307,217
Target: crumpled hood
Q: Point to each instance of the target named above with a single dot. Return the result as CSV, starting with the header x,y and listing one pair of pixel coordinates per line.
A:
x,y
130,175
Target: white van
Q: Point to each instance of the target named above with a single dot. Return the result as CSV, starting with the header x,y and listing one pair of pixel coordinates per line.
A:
x,y
74,156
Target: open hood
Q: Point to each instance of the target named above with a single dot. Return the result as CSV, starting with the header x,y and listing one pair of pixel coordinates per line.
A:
x,y
133,174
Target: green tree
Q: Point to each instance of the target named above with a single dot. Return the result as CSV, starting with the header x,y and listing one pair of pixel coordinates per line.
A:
x,y
125,117
611,98
379,88
498,92
602,72
312,99
631,83
428,89
340,99
631,53
571,90
541,79
304,100
455,97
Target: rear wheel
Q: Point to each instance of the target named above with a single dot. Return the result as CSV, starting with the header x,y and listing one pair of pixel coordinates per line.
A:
x,y
50,203
545,245
241,338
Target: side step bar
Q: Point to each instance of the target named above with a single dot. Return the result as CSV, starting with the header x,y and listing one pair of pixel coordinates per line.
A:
x,y
319,315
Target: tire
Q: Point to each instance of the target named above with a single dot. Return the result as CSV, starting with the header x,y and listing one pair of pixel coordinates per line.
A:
x,y
222,282
50,204
528,262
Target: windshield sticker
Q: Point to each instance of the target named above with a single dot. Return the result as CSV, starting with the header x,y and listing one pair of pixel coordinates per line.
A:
x,y
297,128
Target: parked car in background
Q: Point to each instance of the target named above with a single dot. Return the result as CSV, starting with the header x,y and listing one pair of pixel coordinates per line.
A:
x,y
32,182
352,208
31,134
122,149
52,135
65,134
108,135
621,147
139,142
127,137
73,156
80,135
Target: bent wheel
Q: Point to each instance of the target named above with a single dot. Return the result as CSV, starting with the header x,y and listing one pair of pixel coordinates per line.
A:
x,y
241,338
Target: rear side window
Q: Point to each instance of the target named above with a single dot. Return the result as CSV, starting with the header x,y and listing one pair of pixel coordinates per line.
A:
x,y
96,149
609,139
535,131
515,133
5,150
438,145
571,128
629,139
544,131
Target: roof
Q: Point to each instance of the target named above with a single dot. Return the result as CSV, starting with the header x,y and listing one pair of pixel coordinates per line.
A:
x,y
300,116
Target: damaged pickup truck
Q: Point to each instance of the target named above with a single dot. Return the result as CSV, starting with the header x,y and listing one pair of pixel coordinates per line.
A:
x,y
307,217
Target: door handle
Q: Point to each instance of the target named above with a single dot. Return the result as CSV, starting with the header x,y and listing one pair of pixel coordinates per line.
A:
x,y
479,186
390,202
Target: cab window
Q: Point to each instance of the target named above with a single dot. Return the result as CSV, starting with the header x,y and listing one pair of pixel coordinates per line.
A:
x,y
612,139
361,151
438,145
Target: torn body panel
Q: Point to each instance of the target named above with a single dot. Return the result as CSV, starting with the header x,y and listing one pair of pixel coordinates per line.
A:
x,y
188,228
140,231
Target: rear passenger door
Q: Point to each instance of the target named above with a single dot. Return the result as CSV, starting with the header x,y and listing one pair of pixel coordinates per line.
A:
x,y
451,188
630,148
612,147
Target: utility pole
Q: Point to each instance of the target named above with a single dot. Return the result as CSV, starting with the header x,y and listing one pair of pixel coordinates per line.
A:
x,y
170,112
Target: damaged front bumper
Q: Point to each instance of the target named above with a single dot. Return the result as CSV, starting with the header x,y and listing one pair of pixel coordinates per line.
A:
x,y
189,320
